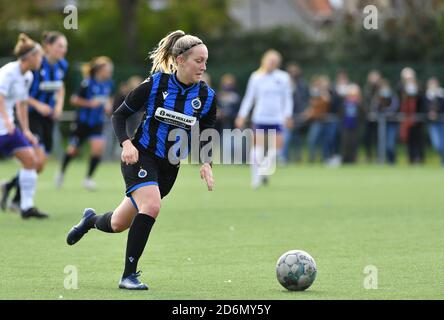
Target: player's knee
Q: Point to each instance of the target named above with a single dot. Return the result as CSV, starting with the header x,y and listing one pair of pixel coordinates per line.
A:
x,y
118,226
72,151
152,208
97,152
40,165
30,162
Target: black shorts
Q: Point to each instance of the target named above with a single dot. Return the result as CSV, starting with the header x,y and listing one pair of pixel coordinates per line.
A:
x,y
149,170
81,132
42,127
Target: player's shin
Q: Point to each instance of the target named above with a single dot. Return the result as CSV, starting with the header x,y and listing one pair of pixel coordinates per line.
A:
x,y
66,160
256,157
93,163
16,199
137,238
103,222
28,183
14,182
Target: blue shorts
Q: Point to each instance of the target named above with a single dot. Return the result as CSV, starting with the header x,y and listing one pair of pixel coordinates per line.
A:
x,y
10,143
82,132
266,127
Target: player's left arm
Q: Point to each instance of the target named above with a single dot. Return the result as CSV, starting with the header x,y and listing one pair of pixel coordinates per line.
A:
x,y
110,102
60,101
288,103
208,122
22,116
61,93
109,105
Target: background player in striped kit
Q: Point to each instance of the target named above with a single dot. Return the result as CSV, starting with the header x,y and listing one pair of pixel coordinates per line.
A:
x,y
46,100
93,100
15,80
174,88
270,90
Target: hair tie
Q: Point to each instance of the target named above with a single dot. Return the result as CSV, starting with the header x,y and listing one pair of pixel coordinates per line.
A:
x,y
27,53
186,49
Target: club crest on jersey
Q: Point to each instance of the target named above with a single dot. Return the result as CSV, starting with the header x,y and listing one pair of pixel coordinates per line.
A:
x,y
196,104
142,173
60,74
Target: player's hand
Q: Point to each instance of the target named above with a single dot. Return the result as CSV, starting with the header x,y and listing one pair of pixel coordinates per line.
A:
x,y
289,123
94,103
130,155
10,127
44,109
207,173
239,122
31,138
108,107
57,114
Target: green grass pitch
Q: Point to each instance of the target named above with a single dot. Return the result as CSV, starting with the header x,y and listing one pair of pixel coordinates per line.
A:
x,y
224,244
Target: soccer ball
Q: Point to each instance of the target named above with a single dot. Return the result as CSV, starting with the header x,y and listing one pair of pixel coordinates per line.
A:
x,y
296,270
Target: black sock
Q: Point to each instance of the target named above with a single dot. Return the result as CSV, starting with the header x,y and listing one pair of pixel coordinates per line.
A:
x,y
93,163
102,223
66,160
137,239
17,196
13,183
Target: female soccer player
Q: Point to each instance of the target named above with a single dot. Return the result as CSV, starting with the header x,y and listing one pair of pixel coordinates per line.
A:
x,y
173,97
47,95
93,100
271,91
15,80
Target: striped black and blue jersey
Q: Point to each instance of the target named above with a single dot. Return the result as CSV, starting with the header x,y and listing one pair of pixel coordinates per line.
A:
x,y
168,105
92,89
47,81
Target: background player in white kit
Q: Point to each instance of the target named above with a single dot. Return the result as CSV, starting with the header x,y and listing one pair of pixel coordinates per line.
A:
x,y
15,81
270,90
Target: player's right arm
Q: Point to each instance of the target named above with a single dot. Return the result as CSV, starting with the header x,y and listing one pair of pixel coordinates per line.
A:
x,y
23,119
247,102
134,102
5,85
41,107
9,124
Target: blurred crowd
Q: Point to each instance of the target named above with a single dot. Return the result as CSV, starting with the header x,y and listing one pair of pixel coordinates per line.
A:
x,y
334,119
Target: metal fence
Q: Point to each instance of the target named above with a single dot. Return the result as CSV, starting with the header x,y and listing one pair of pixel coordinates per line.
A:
x,y
112,149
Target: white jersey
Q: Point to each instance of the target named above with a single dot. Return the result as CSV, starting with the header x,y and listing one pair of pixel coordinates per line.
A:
x,y
14,86
272,96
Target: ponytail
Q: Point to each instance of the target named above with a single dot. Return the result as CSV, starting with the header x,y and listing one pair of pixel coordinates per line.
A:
x,y
162,55
25,45
169,48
